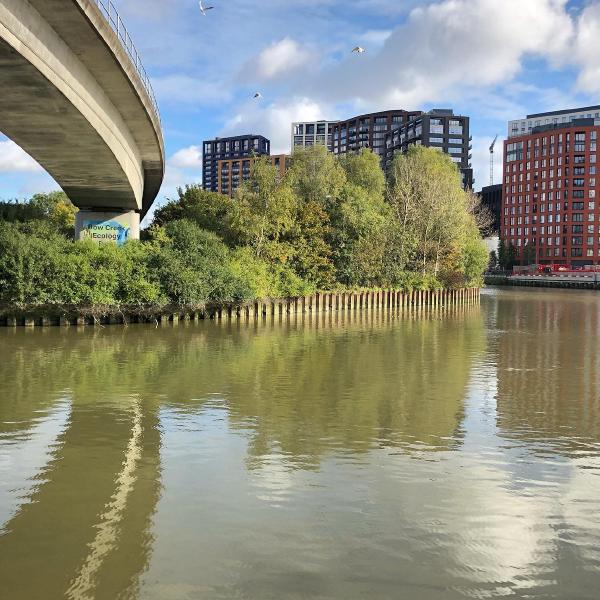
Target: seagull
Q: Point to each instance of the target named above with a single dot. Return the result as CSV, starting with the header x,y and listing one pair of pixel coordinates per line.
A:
x,y
258,95
203,8
359,50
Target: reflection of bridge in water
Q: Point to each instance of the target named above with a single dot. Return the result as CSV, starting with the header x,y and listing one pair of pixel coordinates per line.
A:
x,y
84,530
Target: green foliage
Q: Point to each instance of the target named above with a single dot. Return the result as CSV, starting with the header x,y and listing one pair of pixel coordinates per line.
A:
x,y
473,259
193,266
364,170
55,270
263,211
316,176
435,220
267,280
507,256
529,255
208,210
326,224
360,222
54,209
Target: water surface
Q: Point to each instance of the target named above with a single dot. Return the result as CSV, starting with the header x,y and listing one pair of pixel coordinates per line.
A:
x,y
434,455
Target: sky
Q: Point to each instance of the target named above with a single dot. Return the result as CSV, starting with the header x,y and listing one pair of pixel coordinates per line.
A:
x,y
492,60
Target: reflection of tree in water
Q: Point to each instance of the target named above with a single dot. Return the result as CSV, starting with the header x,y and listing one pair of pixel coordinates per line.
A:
x,y
549,369
301,390
296,386
306,394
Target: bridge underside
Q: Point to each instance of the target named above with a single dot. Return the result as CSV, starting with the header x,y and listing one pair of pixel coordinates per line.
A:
x,y
38,117
72,98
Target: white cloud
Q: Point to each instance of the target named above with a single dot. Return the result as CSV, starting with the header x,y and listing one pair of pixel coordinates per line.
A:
x,y
587,49
274,120
439,52
14,159
376,37
279,59
187,158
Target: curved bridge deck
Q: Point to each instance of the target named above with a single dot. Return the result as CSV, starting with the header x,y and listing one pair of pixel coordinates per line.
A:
x,y
76,98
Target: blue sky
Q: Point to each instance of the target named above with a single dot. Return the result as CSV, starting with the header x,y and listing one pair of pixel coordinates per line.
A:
x,y
492,60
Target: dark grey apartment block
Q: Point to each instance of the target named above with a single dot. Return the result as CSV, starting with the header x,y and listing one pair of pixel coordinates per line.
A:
x,y
439,128
228,148
367,131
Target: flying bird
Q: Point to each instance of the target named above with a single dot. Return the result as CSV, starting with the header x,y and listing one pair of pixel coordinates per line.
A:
x,y
203,8
258,95
358,50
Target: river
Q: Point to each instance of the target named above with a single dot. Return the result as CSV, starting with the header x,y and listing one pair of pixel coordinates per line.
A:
x,y
421,456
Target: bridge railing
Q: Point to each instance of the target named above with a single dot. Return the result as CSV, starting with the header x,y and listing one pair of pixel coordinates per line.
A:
x,y
112,16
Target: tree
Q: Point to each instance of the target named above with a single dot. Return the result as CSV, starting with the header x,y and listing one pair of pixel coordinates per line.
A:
x,y
208,210
364,170
507,255
316,176
435,220
194,266
263,211
58,209
502,254
529,255
54,208
359,222
317,180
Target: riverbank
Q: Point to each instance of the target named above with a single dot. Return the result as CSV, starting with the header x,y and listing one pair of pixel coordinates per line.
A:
x,y
381,300
583,280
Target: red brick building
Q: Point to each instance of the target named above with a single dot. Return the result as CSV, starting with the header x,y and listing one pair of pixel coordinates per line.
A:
x,y
550,211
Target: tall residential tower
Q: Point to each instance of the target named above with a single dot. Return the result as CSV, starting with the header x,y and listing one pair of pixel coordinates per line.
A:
x,y
440,129
550,188
242,146
312,133
367,131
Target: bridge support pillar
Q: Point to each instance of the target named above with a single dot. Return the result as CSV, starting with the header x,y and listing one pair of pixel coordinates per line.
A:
x,y
107,227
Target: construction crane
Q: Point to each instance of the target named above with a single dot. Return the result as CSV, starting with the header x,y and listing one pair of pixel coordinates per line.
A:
x,y
492,160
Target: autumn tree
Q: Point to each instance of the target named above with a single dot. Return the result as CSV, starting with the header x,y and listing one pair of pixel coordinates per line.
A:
x,y
436,229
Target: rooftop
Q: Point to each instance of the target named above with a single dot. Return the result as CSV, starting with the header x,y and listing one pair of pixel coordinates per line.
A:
x,y
564,112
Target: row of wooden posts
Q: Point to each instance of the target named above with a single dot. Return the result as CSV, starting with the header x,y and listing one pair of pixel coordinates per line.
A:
x,y
319,303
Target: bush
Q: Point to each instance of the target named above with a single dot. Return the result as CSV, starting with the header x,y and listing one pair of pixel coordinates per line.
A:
x,y
267,280
54,270
194,267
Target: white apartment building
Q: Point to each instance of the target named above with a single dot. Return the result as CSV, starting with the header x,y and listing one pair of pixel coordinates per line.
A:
x,y
311,133
524,126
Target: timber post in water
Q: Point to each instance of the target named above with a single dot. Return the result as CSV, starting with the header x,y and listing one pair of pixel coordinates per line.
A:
x,y
384,301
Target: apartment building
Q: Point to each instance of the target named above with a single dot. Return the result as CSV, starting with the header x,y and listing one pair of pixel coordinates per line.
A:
x,y
520,127
367,131
551,190
229,148
439,128
232,172
312,133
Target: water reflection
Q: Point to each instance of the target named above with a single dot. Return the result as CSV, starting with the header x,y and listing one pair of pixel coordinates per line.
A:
x,y
372,456
549,368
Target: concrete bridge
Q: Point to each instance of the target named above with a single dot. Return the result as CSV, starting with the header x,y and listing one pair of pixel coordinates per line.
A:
x,y
75,96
